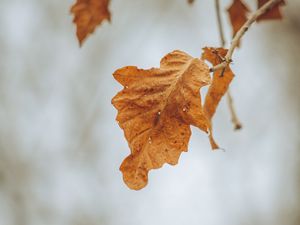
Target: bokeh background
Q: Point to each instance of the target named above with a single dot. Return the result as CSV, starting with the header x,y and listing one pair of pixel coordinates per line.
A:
x,y
60,147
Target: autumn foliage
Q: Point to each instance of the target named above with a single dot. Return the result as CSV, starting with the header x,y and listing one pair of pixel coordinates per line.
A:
x,y
221,80
157,106
155,110
88,14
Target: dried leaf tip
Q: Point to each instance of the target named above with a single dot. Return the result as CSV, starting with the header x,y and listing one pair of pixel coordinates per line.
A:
x,y
88,14
190,1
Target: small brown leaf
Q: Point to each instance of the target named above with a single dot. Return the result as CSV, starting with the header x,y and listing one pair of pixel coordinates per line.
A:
x,y
190,1
221,80
155,110
238,15
88,14
273,14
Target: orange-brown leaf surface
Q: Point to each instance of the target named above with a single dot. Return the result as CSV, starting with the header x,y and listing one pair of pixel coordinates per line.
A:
x,y
155,110
88,14
238,11
273,14
221,80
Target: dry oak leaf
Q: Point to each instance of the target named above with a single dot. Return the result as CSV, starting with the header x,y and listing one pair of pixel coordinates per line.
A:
x,y
238,11
88,14
155,110
221,80
273,14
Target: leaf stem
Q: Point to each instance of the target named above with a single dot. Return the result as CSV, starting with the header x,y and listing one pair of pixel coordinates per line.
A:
x,y
234,43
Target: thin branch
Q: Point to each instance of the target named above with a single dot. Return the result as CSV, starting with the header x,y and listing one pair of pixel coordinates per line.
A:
x,y
234,43
235,120
219,20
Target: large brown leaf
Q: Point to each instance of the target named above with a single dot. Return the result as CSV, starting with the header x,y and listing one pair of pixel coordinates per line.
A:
x,y
155,110
273,14
88,14
221,80
238,11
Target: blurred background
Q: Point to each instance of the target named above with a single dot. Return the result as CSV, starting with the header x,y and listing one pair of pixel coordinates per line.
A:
x,y
60,147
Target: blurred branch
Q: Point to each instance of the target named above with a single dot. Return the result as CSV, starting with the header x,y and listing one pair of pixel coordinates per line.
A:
x,y
219,20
